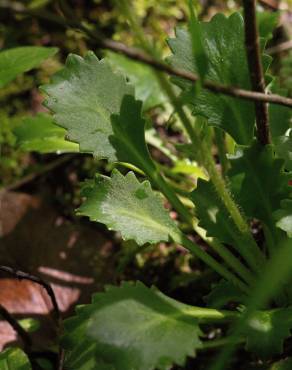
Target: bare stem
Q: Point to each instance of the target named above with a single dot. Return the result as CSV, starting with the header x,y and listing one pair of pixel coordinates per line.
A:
x,y
256,69
16,326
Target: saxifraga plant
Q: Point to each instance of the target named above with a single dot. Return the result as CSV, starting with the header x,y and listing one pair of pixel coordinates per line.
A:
x,y
95,105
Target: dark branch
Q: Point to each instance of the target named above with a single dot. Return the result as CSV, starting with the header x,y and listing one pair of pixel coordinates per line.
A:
x,y
272,4
256,69
43,170
139,56
25,276
61,359
15,325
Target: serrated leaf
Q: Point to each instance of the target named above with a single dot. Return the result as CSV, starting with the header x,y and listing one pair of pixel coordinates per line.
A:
x,y
225,50
41,134
126,205
258,182
83,96
147,87
133,327
14,359
267,330
128,140
21,59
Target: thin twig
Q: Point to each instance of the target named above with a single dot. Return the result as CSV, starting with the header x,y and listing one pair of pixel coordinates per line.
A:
x,y
256,69
139,56
32,176
272,4
16,326
61,359
284,46
35,279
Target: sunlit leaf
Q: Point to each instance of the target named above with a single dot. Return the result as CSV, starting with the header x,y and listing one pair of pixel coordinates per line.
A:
x,y
83,96
126,205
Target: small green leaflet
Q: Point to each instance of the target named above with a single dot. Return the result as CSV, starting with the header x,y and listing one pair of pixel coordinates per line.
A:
x,y
225,51
147,88
14,359
126,205
83,96
22,59
41,134
266,331
133,327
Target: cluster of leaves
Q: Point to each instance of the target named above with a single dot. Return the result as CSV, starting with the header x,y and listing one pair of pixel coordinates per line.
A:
x,y
97,108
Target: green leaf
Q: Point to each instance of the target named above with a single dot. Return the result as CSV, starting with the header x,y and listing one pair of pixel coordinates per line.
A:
x,y
267,330
129,136
126,205
22,59
133,327
83,96
225,50
267,22
14,359
147,87
42,135
258,182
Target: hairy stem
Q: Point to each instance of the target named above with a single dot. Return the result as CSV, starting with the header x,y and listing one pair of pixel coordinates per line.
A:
x,y
221,146
209,261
